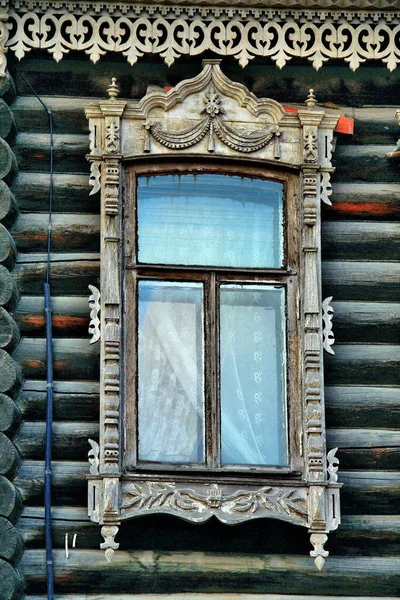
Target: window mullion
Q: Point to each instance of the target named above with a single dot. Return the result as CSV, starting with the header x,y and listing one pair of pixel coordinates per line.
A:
x,y
211,375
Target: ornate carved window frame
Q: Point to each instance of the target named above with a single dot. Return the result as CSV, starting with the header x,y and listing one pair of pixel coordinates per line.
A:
x,y
261,131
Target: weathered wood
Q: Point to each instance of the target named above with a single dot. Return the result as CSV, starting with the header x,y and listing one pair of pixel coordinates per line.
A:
x,y
220,596
378,201
10,500
370,492
10,416
8,251
364,163
69,233
8,205
73,358
8,162
71,193
68,114
11,379
372,125
8,290
70,316
11,543
366,322
334,83
80,402
32,151
9,457
361,406
139,572
9,333
12,585
344,280
70,440
366,448
355,240
363,365
70,278
363,281
365,492
262,536
7,122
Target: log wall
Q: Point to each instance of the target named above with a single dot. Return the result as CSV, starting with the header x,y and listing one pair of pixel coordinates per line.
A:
x,y
161,555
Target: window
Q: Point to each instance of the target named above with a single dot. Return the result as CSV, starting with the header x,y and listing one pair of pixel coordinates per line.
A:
x,y
208,280
211,391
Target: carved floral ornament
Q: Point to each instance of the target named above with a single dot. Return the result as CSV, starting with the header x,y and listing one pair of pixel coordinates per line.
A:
x,y
203,115
171,31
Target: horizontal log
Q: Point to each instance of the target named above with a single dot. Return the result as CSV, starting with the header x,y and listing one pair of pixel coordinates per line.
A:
x,y
69,232
363,365
11,543
66,278
12,585
71,193
73,358
366,448
376,281
364,163
364,492
364,281
377,201
370,492
70,440
337,84
263,537
8,206
70,316
32,151
68,114
220,596
366,322
10,500
10,416
140,572
372,125
8,251
362,406
356,240
71,399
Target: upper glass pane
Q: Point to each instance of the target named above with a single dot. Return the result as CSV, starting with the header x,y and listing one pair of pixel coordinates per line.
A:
x,y
211,220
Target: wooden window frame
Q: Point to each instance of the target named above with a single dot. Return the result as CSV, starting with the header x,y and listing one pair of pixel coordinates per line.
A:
x,y
285,276
225,129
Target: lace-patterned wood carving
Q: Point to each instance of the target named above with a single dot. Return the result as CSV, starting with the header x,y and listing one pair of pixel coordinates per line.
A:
x,y
211,114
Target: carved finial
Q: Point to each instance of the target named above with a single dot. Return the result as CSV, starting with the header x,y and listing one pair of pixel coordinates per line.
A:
x,y
319,553
332,469
93,456
311,99
109,532
113,90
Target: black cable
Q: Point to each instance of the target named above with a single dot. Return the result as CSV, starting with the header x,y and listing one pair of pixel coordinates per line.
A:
x,y
49,363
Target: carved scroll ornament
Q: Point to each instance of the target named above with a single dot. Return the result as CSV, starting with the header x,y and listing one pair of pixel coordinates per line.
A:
x,y
173,31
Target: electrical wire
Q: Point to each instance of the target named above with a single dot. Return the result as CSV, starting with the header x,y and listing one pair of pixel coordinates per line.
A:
x,y
49,361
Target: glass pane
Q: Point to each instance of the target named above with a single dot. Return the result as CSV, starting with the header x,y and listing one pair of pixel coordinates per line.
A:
x,y
253,375
171,413
210,219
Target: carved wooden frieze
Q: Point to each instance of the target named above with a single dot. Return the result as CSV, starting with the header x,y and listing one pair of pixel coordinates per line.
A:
x,y
171,31
203,115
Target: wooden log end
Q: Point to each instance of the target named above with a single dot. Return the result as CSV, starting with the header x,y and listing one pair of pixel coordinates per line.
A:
x,y
9,457
11,545
10,500
10,416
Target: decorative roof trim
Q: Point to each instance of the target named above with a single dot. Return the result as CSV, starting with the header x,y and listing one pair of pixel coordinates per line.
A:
x,y
172,31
